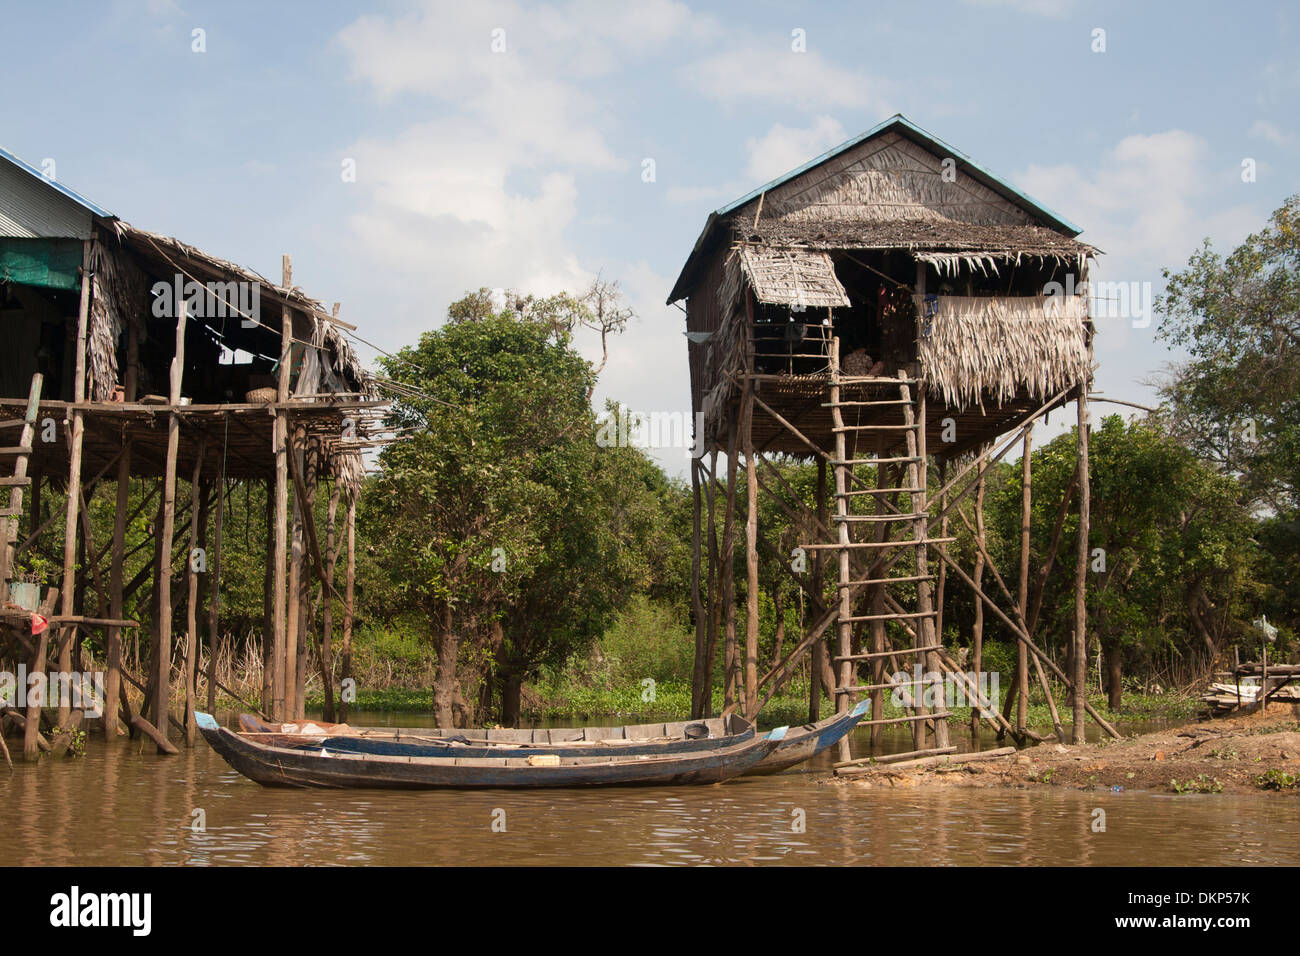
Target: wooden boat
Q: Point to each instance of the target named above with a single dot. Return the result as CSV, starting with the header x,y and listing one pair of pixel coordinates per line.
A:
x,y
800,743
290,767
687,736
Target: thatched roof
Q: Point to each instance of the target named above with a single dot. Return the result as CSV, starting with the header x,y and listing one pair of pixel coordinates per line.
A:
x,y
121,288
995,347
895,186
932,238
793,277
170,255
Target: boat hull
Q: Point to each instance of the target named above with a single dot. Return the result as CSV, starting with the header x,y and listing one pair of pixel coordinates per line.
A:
x,y
587,742
288,767
802,743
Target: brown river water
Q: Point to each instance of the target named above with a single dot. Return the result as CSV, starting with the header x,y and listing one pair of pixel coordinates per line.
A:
x,y
121,806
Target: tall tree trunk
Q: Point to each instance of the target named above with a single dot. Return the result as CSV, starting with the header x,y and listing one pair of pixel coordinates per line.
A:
x,y
512,684
1114,673
446,688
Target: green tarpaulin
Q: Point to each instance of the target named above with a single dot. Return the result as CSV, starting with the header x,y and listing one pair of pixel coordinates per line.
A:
x,y
49,263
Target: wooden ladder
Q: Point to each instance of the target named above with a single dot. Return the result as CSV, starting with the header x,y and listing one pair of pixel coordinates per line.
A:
x,y
866,563
16,480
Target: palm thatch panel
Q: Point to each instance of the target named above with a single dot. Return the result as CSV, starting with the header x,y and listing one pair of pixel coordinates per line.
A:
x,y
795,277
117,288
887,180
978,348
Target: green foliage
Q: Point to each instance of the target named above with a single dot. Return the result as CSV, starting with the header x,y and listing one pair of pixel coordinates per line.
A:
x,y
1201,784
1236,401
1276,779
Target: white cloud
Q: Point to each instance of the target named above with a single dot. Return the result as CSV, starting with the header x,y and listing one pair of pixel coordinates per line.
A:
x,y
783,148
776,75
1271,133
778,151
481,188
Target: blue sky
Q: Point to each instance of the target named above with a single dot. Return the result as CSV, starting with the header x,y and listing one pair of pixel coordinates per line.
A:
x,y
523,168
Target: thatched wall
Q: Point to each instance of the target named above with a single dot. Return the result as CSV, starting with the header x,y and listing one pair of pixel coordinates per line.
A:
x,y
991,347
794,277
118,290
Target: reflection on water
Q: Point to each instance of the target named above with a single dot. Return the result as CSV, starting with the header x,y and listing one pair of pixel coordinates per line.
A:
x,y
121,806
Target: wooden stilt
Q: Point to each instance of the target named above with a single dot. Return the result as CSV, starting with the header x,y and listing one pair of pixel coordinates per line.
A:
x,y
843,701
698,675
1080,675
818,575
293,607
714,611
69,588
977,630
327,608
163,657
214,595
113,680
1022,600
198,532
32,729
730,662
280,548
751,560
345,669
269,639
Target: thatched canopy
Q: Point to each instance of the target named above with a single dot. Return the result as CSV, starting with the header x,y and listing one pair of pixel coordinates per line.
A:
x,y
795,277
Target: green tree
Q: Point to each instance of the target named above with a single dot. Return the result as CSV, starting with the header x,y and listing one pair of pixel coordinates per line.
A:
x,y
501,516
1236,400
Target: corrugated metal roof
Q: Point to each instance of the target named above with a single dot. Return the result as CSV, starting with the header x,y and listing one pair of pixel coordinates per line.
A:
x,y
35,207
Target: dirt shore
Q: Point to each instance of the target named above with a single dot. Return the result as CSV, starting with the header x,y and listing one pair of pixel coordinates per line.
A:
x,y
1225,755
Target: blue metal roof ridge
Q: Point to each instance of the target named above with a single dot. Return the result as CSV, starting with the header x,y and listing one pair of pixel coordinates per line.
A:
x,y
55,184
898,119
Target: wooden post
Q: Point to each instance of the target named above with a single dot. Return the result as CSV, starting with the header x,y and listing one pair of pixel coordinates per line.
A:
x,y
977,630
1080,675
279,660
269,646
843,537
32,728
293,607
345,669
163,657
1022,594
214,594
728,572
327,603
699,678
198,532
751,560
113,680
305,512
940,586
818,660
74,478
712,612
877,605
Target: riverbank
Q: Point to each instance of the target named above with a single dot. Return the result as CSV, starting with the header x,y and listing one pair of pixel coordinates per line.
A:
x,y
1251,753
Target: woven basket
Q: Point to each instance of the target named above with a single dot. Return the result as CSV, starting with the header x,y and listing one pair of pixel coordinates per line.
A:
x,y
260,396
